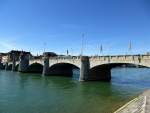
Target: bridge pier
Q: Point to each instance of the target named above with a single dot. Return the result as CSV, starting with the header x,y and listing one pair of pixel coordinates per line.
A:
x,y
24,63
85,67
45,66
1,66
14,63
6,66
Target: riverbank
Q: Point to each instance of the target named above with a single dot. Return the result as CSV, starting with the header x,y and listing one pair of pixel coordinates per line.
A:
x,y
141,104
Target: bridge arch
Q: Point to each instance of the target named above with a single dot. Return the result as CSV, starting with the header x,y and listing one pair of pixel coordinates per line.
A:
x,y
63,69
9,67
35,68
16,67
114,64
2,66
36,61
103,71
67,62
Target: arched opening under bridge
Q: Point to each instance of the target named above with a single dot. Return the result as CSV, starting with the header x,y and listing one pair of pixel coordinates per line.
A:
x,y
103,72
16,67
2,66
9,67
63,69
35,68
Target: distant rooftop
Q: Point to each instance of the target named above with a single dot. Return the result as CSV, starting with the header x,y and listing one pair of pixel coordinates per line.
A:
x,y
18,52
50,54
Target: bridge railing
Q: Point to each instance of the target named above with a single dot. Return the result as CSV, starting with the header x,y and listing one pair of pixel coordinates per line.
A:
x,y
109,57
65,58
125,57
143,58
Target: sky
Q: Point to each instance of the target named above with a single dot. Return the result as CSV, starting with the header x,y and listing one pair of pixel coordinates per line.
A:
x,y
59,25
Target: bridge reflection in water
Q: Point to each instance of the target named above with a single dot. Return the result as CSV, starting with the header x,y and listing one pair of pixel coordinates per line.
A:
x,y
91,68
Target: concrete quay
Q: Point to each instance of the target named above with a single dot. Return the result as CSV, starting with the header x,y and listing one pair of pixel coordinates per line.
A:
x,y
141,104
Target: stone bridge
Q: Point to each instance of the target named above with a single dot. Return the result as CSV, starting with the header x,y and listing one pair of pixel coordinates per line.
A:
x,y
91,68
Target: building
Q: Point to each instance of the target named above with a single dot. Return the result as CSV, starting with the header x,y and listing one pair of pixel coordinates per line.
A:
x,y
17,54
8,57
3,57
49,54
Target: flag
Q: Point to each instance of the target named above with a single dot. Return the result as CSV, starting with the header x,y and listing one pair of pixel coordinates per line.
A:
x,y
82,44
67,52
130,46
44,46
101,49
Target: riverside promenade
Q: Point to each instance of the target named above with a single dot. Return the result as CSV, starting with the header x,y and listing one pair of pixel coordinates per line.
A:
x,y
141,104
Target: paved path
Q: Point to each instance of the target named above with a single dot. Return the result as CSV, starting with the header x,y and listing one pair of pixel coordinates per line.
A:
x,y
147,107
141,104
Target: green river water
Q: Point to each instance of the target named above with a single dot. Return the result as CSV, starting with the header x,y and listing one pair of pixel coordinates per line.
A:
x,y
31,93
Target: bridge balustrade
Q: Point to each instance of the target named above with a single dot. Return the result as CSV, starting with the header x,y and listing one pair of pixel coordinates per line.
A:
x,y
146,56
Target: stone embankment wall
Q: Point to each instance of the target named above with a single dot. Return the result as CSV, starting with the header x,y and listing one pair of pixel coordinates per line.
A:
x,y
137,105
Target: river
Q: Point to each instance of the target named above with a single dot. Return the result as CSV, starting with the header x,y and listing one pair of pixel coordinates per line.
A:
x,y
31,93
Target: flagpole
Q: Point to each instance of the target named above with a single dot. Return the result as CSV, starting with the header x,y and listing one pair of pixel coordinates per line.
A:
x,y
130,47
44,47
101,49
82,45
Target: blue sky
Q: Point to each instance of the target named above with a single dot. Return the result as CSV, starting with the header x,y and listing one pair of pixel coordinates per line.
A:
x,y
28,24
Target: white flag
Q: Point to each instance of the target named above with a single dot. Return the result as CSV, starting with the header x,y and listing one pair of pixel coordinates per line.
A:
x,y
130,46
